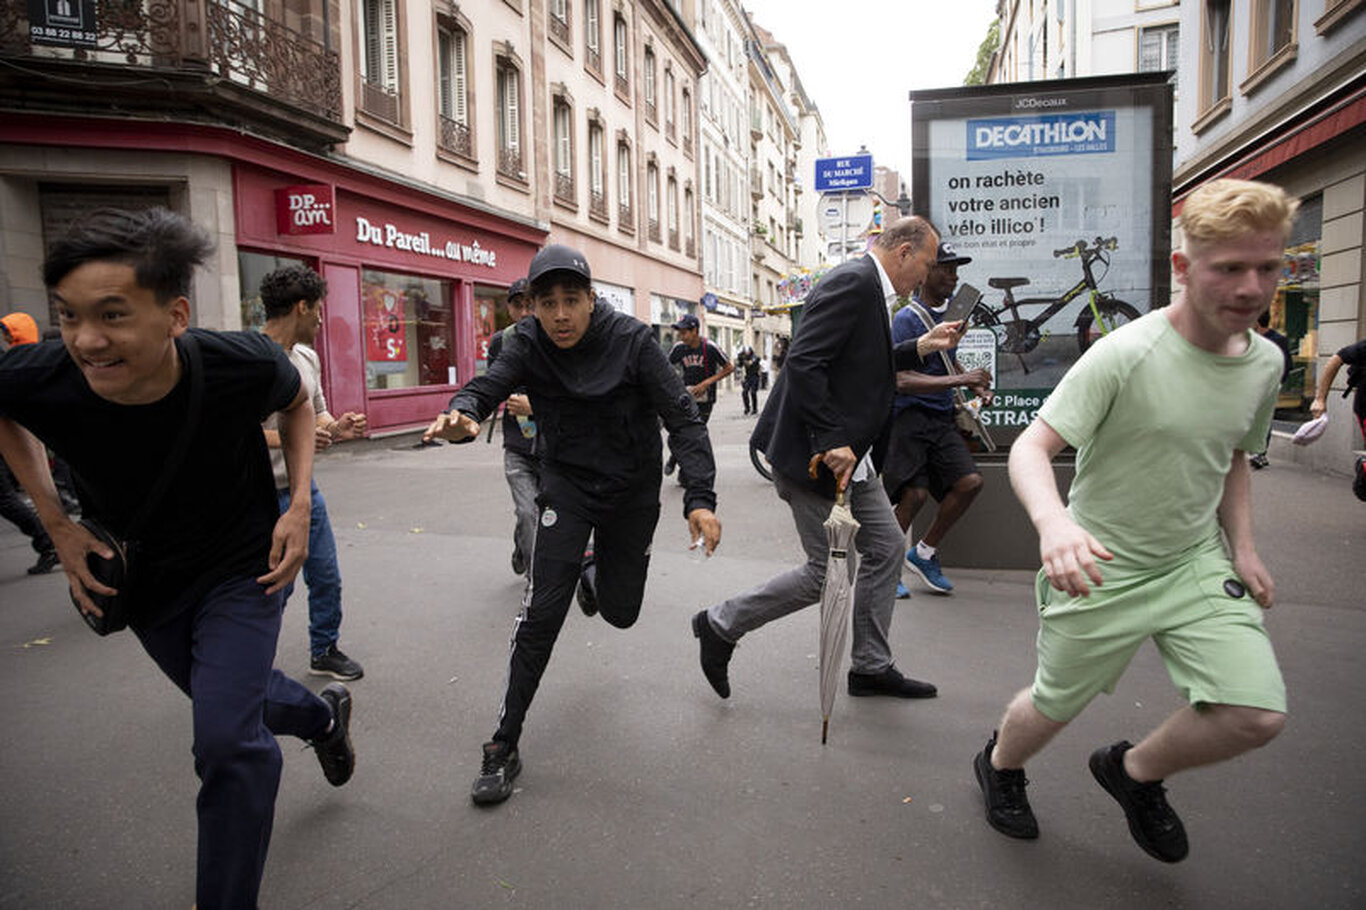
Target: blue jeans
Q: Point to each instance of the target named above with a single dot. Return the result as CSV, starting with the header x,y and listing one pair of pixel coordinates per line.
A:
x,y
219,651
321,574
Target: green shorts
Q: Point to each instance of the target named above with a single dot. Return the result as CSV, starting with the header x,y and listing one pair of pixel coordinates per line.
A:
x,y
1206,626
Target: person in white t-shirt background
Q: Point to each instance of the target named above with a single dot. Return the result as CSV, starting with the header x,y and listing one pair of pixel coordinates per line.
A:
x,y
293,297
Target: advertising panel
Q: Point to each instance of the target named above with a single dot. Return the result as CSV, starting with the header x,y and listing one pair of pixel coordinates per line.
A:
x,y
1060,193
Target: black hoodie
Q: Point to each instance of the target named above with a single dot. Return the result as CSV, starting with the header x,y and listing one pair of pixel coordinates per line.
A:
x,y
598,405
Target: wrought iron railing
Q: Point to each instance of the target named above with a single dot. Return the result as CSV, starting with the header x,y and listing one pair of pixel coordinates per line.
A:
x,y
687,144
654,230
690,247
594,60
510,163
623,85
559,29
455,137
597,204
624,220
379,100
243,47
564,186
673,238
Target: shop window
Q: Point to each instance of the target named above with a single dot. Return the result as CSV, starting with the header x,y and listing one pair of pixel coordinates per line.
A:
x,y
491,316
251,268
408,331
1295,310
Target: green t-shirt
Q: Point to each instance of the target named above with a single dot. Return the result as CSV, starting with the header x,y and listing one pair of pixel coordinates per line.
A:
x,y
1155,421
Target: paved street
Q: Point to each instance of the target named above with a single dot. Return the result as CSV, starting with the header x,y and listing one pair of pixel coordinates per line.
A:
x,y
641,788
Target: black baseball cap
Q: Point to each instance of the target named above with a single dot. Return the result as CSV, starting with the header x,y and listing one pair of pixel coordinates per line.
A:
x,y
558,258
517,289
686,322
949,256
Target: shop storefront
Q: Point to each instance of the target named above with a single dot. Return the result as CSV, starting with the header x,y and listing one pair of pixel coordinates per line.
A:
x,y
413,297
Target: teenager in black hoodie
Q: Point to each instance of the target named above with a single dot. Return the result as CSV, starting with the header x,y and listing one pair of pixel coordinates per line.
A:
x,y
599,385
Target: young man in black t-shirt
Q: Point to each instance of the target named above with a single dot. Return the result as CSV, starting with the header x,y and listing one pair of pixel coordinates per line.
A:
x,y
214,554
703,365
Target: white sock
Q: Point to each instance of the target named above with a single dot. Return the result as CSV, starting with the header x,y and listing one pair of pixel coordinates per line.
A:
x,y
925,551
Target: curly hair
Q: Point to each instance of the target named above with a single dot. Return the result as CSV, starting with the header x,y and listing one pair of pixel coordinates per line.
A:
x,y
286,286
161,246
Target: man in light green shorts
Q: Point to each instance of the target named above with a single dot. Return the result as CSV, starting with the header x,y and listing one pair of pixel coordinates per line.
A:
x,y
1162,413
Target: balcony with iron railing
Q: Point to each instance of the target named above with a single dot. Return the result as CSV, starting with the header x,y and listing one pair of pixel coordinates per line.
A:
x,y
379,100
196,60
625,221
690,248
673,238
510,163
564,188
687,144
597,205
655,235
559,29
455,137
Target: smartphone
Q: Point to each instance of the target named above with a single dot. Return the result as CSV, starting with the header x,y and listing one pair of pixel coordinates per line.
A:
x,y
961,304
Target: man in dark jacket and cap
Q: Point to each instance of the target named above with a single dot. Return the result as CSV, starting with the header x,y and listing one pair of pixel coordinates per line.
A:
x,y
598,384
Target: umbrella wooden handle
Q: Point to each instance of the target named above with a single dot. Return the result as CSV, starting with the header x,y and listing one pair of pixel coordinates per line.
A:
x,y
813,466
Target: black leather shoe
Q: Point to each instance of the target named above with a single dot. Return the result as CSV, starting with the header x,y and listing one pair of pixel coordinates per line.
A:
x,y
889,682
715,654
47,561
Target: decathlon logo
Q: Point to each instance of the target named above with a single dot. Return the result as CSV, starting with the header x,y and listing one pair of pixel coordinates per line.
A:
x,y
1041,135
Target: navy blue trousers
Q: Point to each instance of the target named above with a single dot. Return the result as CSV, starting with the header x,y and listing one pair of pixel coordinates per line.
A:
x,y
220,652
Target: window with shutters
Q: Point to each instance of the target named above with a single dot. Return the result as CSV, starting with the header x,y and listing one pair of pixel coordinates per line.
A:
x,y
685,122
597,172
1273,39
670,130
671,203
651,110
380,77
689,240
1157,49
625,220
557,25
621,43
453,89
652,200
564,151
509,79
1215,65
592,36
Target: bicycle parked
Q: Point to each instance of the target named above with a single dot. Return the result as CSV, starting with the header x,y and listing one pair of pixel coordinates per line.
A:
x,y
1018,335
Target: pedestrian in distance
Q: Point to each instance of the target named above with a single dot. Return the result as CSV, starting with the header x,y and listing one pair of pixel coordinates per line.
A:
x,y
1259,459
703,365
520,467
829,412
599,385
1354,356
1139,553
927,455
17,329
210,566
751,368
293,301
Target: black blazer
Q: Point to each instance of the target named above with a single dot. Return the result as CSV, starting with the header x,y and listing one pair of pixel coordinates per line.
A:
x,y
837,384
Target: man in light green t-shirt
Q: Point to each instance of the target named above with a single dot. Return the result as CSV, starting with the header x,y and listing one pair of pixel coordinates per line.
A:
x,y
1156,538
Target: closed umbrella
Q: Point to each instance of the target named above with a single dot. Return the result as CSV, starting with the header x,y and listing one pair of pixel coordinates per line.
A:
x,y
840,529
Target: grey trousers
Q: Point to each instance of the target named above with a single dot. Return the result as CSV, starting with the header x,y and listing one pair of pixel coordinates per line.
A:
x,y
880,544
524,480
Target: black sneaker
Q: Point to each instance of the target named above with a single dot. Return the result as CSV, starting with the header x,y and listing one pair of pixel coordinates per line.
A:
x,y
500,768
714,655
1007,805
1259,461
1153,824
588,588
47,561
1359,483
334,747
335,664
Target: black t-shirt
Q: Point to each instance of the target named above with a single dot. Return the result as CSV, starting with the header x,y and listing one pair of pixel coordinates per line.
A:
x,y
214,521
699,363
1354,355
749,362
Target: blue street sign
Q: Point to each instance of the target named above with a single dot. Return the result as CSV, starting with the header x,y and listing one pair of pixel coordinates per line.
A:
x,y
852,172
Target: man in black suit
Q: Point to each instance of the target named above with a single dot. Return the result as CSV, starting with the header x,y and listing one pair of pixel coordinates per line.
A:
x,y
832,407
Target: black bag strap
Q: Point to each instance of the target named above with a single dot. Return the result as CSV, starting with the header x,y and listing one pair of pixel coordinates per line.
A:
x,y
194,365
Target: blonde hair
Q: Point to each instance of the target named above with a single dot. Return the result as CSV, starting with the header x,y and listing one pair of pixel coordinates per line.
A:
x,y
1226,208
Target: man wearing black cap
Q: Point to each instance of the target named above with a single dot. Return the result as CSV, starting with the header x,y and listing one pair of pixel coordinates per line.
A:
x,y
599,385
927,455
704,365
519,442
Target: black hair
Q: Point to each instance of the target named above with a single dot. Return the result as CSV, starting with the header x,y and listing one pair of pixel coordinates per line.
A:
x,y
286,286
161,246
564,278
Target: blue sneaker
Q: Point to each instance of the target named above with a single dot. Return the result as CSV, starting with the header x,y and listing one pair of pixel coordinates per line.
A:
x,y
929,571
902,592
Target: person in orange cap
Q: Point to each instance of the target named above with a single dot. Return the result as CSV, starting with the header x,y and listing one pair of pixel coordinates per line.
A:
x,y
17,329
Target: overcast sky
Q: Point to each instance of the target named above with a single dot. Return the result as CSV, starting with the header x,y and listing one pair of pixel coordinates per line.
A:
x,y
858,59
